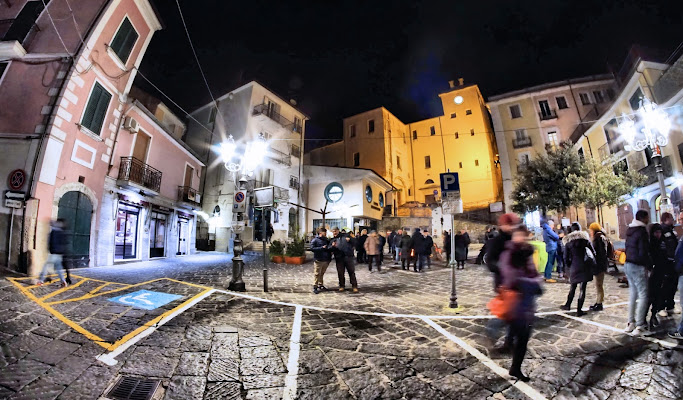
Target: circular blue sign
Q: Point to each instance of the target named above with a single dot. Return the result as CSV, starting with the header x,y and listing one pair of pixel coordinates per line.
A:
x,y
239,197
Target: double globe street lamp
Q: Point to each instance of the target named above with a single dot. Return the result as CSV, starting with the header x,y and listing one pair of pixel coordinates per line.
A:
x,y
243,166
649,129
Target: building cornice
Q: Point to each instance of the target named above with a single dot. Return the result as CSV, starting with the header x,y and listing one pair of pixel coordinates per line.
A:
x,y
550,87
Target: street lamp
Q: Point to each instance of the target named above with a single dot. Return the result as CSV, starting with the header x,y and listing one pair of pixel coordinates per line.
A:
x,y
649,129
244,165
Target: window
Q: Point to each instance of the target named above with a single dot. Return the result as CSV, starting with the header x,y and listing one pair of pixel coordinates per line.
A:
x,y
334,192
356,159
124,40
381,199
452,115
429,182
352,130
296,151
404,136
561,102
515,111
471,132
553,140
432,131
468,112
524,159
428,162
476,163
368,194
546,112
520,134
96,110
212,115
414,135
293,182
635,100
460,164
398,162
597,95
298,125
3,67
585,100
409,192
456,135
620,167
371,125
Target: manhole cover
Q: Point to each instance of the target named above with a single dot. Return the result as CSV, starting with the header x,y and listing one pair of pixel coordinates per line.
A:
x,y
128,388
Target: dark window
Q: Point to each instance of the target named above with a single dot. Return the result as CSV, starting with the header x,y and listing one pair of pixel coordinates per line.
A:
x,y
460,164
3,67
293,182
368,194
468,112
515,111
381,199
371,126
597,95
298,125
585,100
634,101
398,162
456,135
429,182
414,135
124,40
432,131
428,162
212,115
476,163
352,130
561,102
471,132
96,110
620,167
24,23
409,192
296,151
581,155
356,159
452,115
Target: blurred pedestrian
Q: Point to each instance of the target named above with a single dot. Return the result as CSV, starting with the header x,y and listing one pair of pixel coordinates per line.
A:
x,y
559,258
462,241
600,245
637,263
57,246
269,232
343,247
390,240
397,245
447,245
417,247
372,250
360,246
678,266
382,242
404,245
656,280
577,256
429,246
550,238
668,289
322,255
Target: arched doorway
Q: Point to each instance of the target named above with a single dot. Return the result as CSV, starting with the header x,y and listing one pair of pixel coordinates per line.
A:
x,y
625,217
76,210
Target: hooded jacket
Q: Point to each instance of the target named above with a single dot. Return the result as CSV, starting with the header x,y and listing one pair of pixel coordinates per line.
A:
x,y
637,245
600,247
576,245
343,246
462,240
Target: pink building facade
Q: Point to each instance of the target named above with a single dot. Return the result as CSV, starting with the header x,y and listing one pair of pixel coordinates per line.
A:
x,y
91,154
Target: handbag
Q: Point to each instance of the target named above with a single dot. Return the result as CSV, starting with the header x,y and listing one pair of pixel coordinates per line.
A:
x,y
504,304
589,260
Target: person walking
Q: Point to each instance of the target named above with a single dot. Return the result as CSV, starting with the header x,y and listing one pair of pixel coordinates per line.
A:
x,y
670,279
600,245
269,232
372,250
577,257
447,245
390,240
417,246
550,238
57,246
429,247
360,246
655,283
637,263
462,241
488,235
322,255
520,275
559,256
397,245
382,242
404,245
343,246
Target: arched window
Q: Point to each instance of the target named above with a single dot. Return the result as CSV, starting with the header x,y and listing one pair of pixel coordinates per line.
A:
x,y
429,182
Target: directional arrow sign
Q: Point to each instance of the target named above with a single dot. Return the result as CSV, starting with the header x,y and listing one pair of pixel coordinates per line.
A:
x,y
145,299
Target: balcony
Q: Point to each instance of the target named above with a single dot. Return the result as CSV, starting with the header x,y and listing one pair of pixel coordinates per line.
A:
x,y
266,110
610,148
15,37
188,195
137,175
520,143
651,174
546,115
279,157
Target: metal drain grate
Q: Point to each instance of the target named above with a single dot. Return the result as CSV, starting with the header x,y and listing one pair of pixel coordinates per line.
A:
x,y
128,388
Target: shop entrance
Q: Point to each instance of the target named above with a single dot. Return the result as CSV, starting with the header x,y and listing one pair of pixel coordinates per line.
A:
x,y
157,235
76,210
182,236
126,232
259,234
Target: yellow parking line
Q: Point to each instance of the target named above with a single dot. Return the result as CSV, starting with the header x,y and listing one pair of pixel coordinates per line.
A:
x,y
97,289
188,283
62,290
61,317
90,296
153,322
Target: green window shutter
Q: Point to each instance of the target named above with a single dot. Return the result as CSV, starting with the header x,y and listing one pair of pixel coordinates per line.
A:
x,y
124,40
96,110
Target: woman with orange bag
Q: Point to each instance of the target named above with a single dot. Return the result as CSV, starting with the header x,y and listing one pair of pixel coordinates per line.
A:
x,y
520,276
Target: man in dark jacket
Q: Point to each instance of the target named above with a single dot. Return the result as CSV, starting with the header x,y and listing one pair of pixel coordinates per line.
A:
x,y
397,245
322,255
382,242
637,264
404,245
669,283
343,254
390,240
578,250
57,246
507,224
599,242
360,246
417,244
429,244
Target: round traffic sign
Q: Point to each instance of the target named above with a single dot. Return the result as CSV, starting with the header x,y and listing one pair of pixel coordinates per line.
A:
x,y
239,197
16,179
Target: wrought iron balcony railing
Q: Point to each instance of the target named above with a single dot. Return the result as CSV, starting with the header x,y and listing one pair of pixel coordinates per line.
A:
x,y
545,115
264,109
134,170
188,195
519,143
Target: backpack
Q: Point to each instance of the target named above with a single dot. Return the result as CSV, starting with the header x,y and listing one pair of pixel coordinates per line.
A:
x,y
610,248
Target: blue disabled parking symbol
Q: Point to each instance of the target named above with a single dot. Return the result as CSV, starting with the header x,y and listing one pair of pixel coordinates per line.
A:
x,y
145,299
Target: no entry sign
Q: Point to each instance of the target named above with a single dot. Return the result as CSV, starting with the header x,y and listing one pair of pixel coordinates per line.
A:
x,y
16,179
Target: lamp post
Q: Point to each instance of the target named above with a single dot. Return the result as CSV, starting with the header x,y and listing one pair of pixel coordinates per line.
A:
x,y
649,129
254,154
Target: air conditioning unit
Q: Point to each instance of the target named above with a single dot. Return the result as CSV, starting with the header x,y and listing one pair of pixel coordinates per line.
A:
x,y
131,125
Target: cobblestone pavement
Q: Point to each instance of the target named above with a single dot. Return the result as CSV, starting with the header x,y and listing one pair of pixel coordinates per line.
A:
x,y
393,340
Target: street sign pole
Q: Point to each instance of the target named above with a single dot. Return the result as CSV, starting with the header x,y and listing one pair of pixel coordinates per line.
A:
x,y
264,236
454,297
451,203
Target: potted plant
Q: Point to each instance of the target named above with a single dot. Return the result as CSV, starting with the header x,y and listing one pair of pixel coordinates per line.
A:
x,y
277,252
296,252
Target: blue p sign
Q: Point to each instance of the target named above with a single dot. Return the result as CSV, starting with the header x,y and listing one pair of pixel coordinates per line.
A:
x,y
450,182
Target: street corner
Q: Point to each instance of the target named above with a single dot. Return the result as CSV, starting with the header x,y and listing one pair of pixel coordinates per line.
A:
x,y
110,313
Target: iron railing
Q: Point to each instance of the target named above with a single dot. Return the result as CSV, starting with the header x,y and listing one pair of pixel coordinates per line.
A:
x,y
188,195
280,192
610,148
651,173
582,127
134,170
545,115
264,109
280,157
519,143
19,30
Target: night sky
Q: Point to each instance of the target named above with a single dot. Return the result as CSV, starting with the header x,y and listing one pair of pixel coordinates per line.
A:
x,y
341,58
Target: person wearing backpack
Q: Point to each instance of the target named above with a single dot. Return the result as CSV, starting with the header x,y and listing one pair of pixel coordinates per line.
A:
x,y
600,245
579,258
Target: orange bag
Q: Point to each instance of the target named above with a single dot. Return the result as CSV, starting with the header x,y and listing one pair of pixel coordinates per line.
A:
x,y
504,304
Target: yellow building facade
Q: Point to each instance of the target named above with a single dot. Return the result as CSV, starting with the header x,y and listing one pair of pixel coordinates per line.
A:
x,y
411,156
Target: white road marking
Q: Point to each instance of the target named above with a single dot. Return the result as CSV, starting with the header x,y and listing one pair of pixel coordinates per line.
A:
x,y
660,342
290,391
110,358
500,371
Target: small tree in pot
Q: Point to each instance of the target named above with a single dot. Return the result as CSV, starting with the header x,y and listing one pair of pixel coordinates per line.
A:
x,y
277,251
296,252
